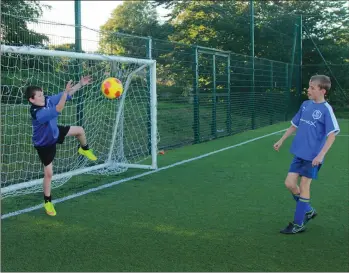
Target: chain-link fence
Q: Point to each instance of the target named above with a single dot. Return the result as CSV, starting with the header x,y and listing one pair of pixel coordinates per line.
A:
x,y
203,93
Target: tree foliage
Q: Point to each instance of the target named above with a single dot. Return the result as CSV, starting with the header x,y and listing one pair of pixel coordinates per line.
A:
x,y
15,16
135,18
222,25
226,25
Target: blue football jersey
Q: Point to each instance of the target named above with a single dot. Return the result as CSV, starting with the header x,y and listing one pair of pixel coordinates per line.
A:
x,y
44,121
314,122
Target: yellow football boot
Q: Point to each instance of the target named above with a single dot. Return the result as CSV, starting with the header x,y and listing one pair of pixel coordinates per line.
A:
x,y
50,210
88,153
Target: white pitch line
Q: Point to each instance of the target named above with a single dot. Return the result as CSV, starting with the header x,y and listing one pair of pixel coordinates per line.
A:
x,y
18,212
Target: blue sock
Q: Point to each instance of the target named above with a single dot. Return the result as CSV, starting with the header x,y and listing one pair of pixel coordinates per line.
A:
x,y
295,197
308,206
301,209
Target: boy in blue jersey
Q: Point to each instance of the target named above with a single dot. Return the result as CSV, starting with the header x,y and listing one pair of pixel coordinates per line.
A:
x,y
316,127
46,133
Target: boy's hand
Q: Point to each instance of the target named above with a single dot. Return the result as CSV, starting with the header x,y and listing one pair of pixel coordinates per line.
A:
x,y
317,160
277,145
69,86
85,80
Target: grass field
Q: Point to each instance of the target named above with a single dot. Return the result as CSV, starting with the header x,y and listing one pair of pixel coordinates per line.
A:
x,y
219,213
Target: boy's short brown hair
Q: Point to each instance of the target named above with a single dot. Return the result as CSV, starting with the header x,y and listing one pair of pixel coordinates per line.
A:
x,y
324,82
30,91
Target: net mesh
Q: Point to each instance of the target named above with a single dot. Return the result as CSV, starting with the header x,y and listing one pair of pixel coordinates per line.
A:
x,y
116,130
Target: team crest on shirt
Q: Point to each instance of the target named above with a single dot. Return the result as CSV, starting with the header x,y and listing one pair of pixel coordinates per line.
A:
x,y
317,114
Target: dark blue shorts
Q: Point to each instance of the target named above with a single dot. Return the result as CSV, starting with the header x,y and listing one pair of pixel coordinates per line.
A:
x,y
304,168
48,153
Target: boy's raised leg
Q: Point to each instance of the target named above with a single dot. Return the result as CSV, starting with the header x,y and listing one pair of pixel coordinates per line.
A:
x,y
79,133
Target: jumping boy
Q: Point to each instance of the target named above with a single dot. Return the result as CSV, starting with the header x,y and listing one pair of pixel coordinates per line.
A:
x,y
46,133
316,127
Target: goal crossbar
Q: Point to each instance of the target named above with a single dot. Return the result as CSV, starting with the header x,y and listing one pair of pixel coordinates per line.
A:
x,y
76,55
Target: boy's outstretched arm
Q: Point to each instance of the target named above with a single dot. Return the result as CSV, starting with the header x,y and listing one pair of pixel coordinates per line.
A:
x,y
63,99
83,81
289,132
46,114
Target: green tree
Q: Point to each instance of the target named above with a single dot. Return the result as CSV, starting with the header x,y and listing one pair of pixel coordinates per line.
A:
x,y
135,18
15,16
226,24
120,36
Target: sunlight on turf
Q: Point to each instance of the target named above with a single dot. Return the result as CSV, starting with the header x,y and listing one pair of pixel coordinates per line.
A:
x,y
55,224
49,223
173,230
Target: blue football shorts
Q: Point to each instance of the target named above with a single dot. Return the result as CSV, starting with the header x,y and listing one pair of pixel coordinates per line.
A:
x,y
304,168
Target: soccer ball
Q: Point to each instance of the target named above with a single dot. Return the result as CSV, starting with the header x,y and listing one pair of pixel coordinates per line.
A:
x,y
112,88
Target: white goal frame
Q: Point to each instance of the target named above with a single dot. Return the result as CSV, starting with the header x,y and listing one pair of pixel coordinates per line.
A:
x,y
87,56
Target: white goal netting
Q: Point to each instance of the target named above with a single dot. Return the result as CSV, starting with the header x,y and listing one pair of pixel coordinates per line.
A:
x,y
122,133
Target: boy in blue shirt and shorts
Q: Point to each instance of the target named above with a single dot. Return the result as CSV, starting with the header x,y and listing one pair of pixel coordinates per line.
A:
x,y
316,127
46,133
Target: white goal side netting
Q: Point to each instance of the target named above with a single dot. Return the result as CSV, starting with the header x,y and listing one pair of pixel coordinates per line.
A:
x,y
121,132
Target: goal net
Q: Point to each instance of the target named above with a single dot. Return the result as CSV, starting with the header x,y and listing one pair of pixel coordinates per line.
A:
x,y
121,132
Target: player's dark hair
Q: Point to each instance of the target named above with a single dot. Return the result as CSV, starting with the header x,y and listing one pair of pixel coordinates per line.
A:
x,y
324,82
30,91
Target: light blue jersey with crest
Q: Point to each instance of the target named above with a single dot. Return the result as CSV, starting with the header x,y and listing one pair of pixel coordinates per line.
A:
x,y
314,122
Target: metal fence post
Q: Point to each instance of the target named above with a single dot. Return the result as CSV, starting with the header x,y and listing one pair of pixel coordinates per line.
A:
x,y
253,95
229,117
196,124
214,99
78,72
271,110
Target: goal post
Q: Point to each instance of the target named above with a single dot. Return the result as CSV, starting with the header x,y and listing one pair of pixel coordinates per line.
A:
x,y
116,130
